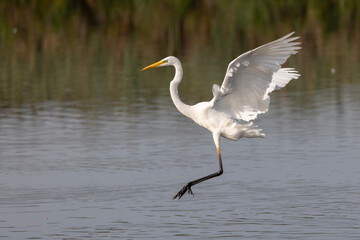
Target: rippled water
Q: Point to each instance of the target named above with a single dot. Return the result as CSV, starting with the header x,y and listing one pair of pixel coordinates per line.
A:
x,y
66,173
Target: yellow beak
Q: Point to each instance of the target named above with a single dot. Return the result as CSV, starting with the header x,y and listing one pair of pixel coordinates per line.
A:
x,y
153,65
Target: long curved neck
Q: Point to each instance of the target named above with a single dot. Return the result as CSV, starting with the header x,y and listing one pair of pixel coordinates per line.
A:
x,y
182,107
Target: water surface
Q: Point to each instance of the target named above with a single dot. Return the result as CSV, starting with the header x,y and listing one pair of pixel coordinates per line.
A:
x,y
66,173
91,148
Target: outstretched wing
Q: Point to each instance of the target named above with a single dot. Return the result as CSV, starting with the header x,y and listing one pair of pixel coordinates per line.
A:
x,y
252,76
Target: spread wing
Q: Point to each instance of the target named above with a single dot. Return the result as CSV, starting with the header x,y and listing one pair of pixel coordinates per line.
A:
x,y
252,76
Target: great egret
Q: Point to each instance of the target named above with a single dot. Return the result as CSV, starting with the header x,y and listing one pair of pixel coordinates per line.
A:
x,y
243,94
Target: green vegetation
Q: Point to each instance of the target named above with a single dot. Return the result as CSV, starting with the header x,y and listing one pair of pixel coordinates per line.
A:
x,y
173,26
75,50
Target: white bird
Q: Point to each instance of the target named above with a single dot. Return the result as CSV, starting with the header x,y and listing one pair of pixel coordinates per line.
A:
x,y
243,94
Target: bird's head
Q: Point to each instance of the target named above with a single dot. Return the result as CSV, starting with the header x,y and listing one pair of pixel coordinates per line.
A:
x,y
162,63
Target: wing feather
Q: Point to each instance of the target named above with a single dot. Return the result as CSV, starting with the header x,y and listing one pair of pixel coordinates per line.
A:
x,y
252,76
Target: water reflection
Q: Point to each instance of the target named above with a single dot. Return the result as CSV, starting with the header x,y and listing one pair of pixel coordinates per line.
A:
x,y
91,148
69,173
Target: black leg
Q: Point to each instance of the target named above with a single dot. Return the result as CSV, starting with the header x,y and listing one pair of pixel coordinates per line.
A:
x,y
187,187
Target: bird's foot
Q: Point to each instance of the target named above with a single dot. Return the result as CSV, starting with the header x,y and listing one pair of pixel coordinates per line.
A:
x,y
187,188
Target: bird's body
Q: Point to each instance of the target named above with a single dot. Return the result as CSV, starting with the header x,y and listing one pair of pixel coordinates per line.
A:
x,y
243,95
209,116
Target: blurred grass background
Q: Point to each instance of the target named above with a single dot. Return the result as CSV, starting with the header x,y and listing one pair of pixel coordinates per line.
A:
x,y
69,50
173,27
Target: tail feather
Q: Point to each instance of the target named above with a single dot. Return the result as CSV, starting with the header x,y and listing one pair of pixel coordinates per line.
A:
x,y
236,131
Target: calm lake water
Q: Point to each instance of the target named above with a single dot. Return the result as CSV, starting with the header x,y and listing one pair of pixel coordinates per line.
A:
x,y
103,167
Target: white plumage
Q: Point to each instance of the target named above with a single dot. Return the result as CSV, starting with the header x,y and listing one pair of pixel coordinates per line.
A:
x,y
243,95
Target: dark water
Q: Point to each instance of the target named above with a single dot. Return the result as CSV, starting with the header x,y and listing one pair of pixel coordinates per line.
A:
x,y
66,173
92,149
